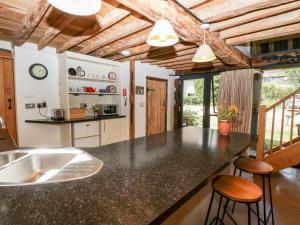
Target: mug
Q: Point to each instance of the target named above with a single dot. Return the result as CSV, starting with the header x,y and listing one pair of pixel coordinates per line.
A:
x,y
80,72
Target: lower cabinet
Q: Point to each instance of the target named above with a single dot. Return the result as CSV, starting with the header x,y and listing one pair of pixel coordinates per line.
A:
x,y
89,142
86,134
111,131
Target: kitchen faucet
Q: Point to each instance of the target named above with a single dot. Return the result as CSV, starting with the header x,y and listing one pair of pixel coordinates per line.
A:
x,y
2,124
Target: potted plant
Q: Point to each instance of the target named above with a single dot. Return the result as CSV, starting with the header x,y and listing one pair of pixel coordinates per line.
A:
x,y
94,110
225,116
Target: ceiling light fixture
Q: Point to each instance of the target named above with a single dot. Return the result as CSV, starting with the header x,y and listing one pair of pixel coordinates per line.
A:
x,y
162,34
77,7
204,52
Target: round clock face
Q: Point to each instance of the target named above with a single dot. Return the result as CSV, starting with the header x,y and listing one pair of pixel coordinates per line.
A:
x,y
38,71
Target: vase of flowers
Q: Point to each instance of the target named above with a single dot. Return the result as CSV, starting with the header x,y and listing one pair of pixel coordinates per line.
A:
x,y
225,116
94,110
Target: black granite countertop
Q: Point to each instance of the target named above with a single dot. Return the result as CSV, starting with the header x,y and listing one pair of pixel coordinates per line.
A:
x,y
85,119
142,181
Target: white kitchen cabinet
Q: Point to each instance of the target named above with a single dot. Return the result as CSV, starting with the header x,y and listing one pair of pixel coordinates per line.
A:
x,y
88,142
111,131
86,134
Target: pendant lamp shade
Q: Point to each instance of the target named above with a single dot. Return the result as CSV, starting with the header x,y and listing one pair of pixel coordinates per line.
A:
x,y
162,34
77,7
204,54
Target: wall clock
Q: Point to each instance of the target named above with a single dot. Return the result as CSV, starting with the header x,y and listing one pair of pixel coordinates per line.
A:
x,y
38,71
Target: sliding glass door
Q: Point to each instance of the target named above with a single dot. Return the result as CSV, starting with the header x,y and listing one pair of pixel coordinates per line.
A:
x,y
198,100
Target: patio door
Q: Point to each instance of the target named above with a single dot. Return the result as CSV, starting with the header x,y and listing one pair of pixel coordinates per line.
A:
x,y
198,101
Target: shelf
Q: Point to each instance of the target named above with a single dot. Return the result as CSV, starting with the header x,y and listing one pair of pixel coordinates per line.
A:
x,y
92,93
92,79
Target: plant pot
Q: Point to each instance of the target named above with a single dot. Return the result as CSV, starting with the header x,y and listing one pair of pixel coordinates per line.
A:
x,y
224,127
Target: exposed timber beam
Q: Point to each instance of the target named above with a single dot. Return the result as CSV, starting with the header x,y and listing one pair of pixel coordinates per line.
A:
x,y
183,62
126,30
128,42
192,3
176,59
195,65
266,34
263,24
188,28
253,16
31,20
63,21
288,58
219,10
102,23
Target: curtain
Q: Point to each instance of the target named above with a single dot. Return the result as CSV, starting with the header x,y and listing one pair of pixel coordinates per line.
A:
x,y
236,87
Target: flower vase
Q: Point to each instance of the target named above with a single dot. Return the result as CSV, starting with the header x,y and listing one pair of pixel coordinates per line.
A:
x,y
224,127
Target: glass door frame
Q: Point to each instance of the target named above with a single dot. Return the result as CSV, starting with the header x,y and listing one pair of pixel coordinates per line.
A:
x,y
208,83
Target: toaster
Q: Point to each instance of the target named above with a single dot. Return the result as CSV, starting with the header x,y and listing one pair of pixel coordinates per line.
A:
x,y
57,114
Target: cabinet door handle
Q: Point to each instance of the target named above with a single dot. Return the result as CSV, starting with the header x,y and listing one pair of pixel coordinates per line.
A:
x,y
104,126
88,125
9,104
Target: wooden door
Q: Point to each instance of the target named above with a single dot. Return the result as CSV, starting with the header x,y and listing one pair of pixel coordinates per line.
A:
x,y
7,93
157,99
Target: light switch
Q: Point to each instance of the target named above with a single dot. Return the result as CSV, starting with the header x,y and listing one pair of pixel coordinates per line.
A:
x,y
142,104
30,105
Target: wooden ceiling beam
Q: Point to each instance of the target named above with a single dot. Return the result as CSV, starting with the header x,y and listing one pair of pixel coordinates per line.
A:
x,y
63,21
188,28
192,3
102,23
263,24
163,53
196,65
183,62
131,41
219,10
31,20
128,29
254,16
266,34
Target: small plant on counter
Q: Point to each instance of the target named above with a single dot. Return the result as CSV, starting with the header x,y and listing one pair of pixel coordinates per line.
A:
x,y
226,113
94,110
191,118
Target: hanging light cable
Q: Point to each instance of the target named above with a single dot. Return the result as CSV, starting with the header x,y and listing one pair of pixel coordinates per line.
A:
x,y
77,7
204,52
162,33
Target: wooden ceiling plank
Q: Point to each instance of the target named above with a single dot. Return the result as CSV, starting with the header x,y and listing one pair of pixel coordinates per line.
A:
x,y
63,21
196,65
188,28
161,54
128,42
126,30
176,59
102,23
263,24
31,20
266,34
192,3
253,16
219,10
182,62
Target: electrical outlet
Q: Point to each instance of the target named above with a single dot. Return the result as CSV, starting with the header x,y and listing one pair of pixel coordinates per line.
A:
x,y
30,105
41,105
83,105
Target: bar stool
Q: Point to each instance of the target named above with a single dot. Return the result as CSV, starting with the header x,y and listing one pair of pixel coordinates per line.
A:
x,y
262,169
234,189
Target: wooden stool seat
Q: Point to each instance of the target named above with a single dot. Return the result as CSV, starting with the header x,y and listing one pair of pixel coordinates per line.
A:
x,y
237,189
253,166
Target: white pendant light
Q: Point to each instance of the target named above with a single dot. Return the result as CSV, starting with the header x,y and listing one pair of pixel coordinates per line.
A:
x,y
77,7
162,34
204,52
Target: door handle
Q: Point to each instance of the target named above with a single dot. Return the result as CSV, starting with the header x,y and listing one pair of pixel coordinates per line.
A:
x,y
9,104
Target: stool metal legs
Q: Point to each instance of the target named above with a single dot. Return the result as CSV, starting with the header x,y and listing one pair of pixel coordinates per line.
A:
x,y
264,199
271,201
217,219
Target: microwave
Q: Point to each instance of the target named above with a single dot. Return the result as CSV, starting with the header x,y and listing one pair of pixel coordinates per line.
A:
x,y
108,109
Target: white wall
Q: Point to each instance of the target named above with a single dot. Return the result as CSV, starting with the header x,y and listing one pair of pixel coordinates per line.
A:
x,y
29,90
141,72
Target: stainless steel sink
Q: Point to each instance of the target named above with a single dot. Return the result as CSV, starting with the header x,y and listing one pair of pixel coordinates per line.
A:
x,y
25,167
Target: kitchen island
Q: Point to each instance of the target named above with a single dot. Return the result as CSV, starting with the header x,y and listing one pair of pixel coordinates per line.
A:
x,y
143,181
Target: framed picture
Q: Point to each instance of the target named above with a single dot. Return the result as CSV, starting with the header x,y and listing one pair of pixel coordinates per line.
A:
x,y
139,90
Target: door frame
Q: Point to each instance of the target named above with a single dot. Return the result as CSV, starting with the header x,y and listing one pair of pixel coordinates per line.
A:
x,y
166,113
208,80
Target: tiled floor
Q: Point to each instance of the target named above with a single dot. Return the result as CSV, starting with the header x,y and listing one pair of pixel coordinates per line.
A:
x,y
286,198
